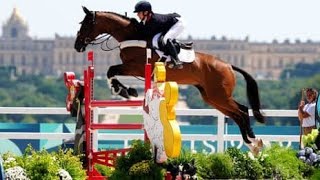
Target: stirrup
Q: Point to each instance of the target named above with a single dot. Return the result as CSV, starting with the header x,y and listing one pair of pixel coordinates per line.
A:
x,y
175,64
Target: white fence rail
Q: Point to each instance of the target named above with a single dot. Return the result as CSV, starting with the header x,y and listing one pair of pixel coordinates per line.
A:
x,y
220,138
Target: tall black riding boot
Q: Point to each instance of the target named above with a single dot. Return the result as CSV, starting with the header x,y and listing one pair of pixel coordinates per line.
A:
x,y
171,49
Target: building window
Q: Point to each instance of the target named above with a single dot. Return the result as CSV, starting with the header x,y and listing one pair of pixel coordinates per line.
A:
x,y
14,33
268,63
35,61
74,59
1,59
260,63
68,58
242,63
60,57
280,63
23,60
12,60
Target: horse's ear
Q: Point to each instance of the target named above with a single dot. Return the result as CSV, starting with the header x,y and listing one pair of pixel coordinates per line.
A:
x,y
86,10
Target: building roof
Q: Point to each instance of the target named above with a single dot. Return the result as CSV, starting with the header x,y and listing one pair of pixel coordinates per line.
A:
x,y
16,17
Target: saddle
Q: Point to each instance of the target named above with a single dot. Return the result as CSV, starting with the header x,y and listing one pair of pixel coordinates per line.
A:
x,y
177,44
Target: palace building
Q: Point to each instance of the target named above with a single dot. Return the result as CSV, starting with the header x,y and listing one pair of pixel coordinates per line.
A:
x,y
52,57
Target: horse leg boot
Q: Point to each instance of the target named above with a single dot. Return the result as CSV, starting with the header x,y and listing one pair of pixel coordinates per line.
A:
x,y
250,134
256,141
171,49
255,150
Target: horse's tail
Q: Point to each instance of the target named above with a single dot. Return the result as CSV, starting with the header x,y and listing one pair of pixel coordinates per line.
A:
x,y
253,94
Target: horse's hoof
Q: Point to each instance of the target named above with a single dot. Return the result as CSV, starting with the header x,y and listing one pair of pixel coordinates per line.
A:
x,y
255,150
179,66
124,93
170,65
260,143
132,92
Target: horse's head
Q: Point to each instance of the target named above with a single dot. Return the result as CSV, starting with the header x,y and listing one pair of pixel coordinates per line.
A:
x,y
87,32
96,23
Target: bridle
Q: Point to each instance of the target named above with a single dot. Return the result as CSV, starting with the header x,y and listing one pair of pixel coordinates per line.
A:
x,y
103,39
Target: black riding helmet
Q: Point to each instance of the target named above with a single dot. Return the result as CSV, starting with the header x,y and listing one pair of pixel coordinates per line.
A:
x,y
142,6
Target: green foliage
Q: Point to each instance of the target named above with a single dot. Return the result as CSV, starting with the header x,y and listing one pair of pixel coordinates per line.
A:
x,y
10,160
214,166
284,164
185,156
104,170
41,165
315,175
44,165
301,70
244,166
137,164
71,163
273,162
39,91
309,139
140,169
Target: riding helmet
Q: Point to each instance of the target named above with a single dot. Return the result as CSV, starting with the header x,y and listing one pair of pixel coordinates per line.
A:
x,y
142,6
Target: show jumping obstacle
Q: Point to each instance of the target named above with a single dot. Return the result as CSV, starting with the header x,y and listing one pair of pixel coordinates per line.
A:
x,y
80,93
107,157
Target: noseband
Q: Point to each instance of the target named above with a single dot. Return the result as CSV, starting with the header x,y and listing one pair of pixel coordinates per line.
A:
x,y
105,38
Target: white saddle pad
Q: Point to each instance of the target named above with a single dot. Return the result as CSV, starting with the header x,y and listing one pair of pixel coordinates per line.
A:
x,y
184,55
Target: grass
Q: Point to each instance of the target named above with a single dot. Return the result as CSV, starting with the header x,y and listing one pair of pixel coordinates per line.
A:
x,y
130,119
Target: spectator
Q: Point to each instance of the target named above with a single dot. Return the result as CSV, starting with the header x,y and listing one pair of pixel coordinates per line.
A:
x,y
306,112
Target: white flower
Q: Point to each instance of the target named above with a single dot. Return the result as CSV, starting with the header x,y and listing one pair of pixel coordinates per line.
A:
x,y
10,159
16,172
64,175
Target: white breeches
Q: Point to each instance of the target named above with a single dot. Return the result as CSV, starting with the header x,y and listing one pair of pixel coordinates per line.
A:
x,y
174,31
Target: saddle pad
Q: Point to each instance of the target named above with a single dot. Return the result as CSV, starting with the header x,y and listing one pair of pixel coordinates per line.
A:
x,y
184,55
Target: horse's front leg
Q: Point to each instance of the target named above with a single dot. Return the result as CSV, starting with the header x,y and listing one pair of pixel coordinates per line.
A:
x,y
117,88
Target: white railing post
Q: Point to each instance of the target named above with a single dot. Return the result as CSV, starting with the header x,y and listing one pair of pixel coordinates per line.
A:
x,y
220,132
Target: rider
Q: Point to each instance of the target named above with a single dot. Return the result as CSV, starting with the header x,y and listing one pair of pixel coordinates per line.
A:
x,y
168,24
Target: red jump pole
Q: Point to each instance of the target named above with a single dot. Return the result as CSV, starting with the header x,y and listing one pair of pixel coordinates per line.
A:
x,y
88,94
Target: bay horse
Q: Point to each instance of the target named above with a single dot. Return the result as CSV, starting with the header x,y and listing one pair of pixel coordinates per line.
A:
x,y
214,78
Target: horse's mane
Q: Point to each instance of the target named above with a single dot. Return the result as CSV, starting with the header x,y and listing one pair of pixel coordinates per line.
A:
x,y
132,20
122,16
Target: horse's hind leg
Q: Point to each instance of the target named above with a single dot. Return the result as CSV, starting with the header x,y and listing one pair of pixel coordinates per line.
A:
x,y
229,107
251,136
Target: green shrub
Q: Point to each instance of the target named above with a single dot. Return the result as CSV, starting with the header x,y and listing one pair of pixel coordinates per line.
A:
x,y
244,166
10,160
71,163
315,175
284,164
104,170
185,156
214,166
44,165
137,164
41,165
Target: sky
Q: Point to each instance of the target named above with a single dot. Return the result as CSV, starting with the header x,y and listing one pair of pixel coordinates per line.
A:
x,y
260,20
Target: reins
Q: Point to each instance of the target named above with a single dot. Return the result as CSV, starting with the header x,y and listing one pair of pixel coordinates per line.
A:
x,y
104,42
